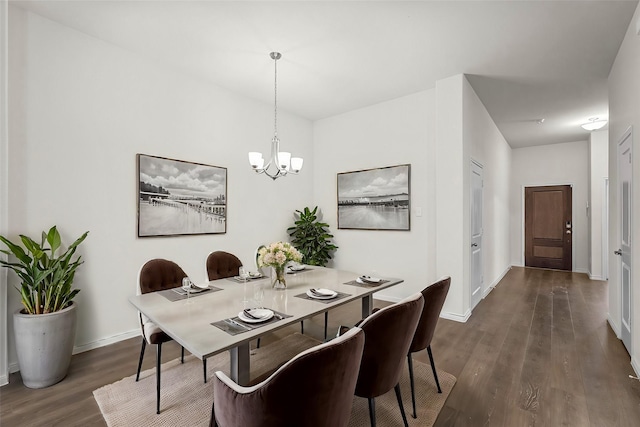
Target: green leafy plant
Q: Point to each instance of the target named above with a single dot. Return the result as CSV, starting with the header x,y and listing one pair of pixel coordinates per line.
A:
x,y
46,278
312,237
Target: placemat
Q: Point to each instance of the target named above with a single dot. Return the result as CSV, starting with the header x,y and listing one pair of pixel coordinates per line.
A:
x,y
238,279
235,326
177,294
324,301
366,285
298,271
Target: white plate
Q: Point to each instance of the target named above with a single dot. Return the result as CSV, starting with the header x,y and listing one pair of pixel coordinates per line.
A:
x,y
262,313
330,294
202,286
295,268
256,275
368,279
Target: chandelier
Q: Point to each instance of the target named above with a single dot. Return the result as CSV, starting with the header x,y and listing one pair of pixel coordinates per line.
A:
x,y
280,163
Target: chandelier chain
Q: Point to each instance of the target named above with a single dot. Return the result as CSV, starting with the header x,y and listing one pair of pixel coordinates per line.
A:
x,y
275,97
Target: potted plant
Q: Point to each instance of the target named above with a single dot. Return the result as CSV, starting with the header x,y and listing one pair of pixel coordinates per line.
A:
x,y
312,237
45,327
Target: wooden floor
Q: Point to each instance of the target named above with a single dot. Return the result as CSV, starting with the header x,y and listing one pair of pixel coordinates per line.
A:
x,y
537,351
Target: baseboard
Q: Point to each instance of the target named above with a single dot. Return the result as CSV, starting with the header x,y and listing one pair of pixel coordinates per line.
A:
x,y
592,277
14,367
495,282
581,270
456,317
4,380
614,327
636,366
106,341
387,298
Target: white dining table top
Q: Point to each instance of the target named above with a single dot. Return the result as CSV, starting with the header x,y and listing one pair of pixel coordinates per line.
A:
x,y
189,322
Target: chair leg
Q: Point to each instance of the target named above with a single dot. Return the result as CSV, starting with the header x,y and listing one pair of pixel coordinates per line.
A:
x,y
399,397
433,368
212,420
158,362
182,355
326,320
413,391
144,345
372,411
204,369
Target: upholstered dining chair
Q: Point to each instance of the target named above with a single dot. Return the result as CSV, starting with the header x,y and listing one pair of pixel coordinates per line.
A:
x,y
156,275
434,296
388,334
221,265
322,399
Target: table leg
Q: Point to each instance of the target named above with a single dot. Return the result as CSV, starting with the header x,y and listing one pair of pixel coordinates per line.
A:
x,y
239,364
367,305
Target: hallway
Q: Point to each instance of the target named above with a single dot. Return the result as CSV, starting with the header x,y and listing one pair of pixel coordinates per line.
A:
x,y
538,351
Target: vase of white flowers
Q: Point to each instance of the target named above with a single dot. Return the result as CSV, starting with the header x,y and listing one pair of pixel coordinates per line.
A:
x,y
277,255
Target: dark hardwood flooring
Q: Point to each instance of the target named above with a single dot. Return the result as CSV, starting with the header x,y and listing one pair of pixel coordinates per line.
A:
x,y
537,351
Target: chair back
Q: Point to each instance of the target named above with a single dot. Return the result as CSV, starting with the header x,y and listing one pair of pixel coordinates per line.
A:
x,y
314,389
159,274
388,334
222,264
434,296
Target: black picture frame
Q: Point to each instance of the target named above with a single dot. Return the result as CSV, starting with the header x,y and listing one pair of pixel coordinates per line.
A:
x,y
178,197
375,199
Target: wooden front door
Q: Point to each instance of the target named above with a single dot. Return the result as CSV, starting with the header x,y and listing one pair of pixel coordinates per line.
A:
x,y
548,228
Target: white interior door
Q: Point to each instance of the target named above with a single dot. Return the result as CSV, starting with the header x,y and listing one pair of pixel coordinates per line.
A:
x,y
476,234
625,205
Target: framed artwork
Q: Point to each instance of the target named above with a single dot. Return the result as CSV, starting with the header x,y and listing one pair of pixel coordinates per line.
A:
x,y
375,199
177,198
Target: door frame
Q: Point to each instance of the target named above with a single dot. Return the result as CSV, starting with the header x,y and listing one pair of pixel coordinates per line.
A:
x,y
605,230
474,163
522,220
628,133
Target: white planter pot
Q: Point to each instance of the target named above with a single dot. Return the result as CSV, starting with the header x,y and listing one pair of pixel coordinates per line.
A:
x,y
44,343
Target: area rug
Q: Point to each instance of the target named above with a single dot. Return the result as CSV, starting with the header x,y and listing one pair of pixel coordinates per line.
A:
x,y
186,399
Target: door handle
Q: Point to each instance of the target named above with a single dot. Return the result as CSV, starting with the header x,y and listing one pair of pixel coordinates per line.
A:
x,y
474,245
618,252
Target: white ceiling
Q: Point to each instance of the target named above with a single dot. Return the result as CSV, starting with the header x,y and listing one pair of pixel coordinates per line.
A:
x,y
525,59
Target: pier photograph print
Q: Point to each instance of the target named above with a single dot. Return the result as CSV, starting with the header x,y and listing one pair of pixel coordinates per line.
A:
x,y
375,199
177,198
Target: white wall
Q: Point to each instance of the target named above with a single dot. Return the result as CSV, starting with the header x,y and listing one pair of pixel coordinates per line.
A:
x,y
487,146
624,111
556,164
598,173
80,110
396,132
4,165
452,235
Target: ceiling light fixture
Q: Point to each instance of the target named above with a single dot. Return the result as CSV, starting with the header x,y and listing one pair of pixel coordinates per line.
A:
x,y
594,124
280,163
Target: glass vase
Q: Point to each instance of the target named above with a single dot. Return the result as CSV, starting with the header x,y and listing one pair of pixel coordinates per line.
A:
x,y
277,278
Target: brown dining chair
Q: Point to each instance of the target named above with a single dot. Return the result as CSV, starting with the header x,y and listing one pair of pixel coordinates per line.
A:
x,y
314,389
156,275
434,296
388,334
221,265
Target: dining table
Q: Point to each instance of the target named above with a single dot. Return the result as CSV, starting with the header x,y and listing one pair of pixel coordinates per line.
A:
x,y
192,321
